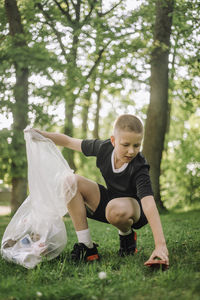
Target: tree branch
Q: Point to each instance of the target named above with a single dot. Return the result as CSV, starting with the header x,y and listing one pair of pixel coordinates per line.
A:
x,y
67,3
112,8
74,5
97,60
92,5
77,8
66,13
57,34
94,65
49,77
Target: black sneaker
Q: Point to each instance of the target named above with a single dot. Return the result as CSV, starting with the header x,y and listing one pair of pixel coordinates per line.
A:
x,y
81,252
128,244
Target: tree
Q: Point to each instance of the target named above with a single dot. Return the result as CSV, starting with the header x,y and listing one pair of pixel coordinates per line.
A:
x,y
180,180
21,56
80,21
87,57
20,107
85,34
49,54
180,168
155,127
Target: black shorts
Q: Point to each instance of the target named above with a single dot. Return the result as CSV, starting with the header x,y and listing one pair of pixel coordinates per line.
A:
x,y
99,214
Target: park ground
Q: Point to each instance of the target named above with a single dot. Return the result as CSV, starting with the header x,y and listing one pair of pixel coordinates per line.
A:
x,y
126,278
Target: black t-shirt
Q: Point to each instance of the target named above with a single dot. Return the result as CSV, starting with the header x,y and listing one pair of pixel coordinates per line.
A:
x,y
134,181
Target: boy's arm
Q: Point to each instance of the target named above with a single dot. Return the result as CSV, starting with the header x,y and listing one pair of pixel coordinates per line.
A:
x,y
62,140
152,215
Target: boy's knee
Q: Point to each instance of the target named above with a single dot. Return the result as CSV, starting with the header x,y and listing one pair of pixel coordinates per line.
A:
x,y
116,212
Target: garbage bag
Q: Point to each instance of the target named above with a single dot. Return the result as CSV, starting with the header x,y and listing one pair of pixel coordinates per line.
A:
x,y
37,230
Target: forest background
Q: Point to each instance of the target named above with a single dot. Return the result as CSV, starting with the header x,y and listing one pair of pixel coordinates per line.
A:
x,y
73,66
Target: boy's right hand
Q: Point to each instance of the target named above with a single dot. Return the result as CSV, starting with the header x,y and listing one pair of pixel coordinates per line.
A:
x,y
35,133
37,130
160,253
43,133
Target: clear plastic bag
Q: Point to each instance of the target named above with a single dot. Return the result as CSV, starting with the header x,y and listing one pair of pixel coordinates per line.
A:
x,y
37,229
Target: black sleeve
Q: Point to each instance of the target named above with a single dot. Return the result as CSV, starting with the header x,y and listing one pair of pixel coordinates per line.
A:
x,y
91,147
143,183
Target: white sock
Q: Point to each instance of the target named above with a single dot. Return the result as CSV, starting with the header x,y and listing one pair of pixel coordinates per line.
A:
x,y
84,237
125,233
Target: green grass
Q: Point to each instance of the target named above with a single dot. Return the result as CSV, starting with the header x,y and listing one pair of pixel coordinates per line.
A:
x,y
127,278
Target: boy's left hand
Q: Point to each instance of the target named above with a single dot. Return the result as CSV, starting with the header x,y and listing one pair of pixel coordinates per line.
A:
x,y
160,252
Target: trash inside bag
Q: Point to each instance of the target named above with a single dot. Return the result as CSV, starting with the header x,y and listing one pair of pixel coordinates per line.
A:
x,y
37,230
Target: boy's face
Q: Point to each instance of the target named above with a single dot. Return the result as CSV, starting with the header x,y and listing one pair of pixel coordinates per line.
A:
x,y
127,145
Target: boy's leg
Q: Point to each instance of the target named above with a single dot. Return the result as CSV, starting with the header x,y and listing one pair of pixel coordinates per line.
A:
x,y
123,213
87,193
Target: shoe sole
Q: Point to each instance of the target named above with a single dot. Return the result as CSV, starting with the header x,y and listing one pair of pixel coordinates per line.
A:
x,y
93,257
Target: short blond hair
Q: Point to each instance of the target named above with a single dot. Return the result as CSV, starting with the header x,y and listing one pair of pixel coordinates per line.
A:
x,y
128,122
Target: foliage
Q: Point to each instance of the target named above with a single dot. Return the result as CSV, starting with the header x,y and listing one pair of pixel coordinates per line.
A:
x,y
50,36
70,57
181,168
126,277
180,179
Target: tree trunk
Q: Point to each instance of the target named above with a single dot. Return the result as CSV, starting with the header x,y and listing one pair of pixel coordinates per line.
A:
x,y
72,78
20,110
155,127
84,114
171,82
68,128
96,121
19,192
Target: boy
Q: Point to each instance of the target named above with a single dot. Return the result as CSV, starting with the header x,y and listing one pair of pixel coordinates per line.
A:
x,y
127,203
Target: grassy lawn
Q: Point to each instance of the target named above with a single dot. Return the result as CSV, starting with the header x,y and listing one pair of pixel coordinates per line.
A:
x,y
127,278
